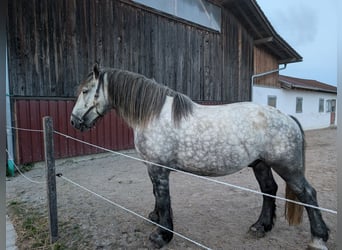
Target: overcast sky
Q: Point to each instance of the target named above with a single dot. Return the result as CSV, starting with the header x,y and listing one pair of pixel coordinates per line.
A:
x,y
310,27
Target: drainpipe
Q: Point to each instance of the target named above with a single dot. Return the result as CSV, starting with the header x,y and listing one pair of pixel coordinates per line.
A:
x,y
263,74
10,162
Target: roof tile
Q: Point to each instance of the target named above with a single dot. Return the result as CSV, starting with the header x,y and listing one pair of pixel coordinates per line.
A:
x,y
298,83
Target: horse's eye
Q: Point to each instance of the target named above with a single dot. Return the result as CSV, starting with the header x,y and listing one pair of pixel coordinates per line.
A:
x,y
84,91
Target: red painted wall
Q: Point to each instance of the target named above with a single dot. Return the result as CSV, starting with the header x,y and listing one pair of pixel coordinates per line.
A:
x,y
110,132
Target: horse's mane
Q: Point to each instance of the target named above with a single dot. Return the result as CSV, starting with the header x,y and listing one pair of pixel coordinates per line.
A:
x,y
139,99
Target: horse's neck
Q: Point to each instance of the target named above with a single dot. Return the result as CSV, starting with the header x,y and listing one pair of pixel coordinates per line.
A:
x,y
168,101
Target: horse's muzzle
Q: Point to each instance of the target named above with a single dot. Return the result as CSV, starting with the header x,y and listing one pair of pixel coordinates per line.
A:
x,y
77,122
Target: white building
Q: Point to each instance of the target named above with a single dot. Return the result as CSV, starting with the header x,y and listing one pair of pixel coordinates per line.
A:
x,y
313,103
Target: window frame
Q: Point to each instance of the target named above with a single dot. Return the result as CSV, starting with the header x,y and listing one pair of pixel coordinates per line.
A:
x,y
321,105
331,105
173,12
271,98
299,104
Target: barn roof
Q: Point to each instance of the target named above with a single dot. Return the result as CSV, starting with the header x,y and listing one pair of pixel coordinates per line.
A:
x,y
288,82
255,21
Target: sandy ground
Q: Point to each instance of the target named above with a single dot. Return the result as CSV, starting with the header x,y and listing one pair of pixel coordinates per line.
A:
x,y
214,215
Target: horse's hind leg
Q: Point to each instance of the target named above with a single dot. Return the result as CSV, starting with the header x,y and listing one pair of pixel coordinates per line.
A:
x,y
162,211
263,174
307,194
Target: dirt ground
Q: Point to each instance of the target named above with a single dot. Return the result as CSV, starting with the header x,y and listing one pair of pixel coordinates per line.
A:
x,y
214,215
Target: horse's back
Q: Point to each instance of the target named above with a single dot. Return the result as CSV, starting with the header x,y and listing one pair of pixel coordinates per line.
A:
x,y
219,140
245,120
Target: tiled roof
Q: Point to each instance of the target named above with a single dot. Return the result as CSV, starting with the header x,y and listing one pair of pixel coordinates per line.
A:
x,y
288,82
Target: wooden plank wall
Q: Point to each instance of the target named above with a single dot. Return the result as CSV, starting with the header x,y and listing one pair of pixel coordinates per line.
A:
x,y
53,44
263,62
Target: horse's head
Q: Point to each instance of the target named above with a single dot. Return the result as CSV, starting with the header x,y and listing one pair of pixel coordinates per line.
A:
x,y
92,102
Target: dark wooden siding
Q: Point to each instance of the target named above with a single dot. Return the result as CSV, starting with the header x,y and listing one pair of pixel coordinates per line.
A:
x,y
111,132
53,44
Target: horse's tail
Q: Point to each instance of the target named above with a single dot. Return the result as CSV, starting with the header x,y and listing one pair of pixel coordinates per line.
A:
x,y
294,212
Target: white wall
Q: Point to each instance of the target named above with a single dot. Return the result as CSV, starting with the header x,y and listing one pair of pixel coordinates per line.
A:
x,y
310,118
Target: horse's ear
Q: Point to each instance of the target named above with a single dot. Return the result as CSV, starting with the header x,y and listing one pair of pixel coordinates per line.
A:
x,y
96,71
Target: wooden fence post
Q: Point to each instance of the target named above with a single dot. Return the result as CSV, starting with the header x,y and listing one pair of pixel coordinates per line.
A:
x,y
50,177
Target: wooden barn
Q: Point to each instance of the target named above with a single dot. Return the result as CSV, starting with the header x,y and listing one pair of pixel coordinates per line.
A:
x,y
210,55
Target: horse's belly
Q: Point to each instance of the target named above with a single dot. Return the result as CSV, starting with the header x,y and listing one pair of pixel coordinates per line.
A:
x,y
217,150
213,161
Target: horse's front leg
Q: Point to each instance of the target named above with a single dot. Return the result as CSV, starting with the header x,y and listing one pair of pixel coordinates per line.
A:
x,y
264,176
162,211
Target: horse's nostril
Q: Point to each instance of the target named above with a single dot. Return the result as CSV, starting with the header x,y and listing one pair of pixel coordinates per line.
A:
x,y
72,123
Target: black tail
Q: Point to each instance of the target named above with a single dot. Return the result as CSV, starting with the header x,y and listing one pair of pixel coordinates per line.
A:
x,y
294,212
299,125
303,136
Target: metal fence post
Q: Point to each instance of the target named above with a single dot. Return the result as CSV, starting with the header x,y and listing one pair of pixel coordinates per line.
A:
x,y
50,177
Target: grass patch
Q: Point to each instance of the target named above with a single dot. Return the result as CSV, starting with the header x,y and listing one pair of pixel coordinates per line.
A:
x,y
32,229
26,167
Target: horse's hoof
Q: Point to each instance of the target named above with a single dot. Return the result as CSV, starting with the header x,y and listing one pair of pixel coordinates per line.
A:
x,y
317,244
153,216
157,240
257,232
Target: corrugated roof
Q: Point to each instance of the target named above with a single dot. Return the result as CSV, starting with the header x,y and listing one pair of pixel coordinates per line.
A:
x,y
255,21
288,82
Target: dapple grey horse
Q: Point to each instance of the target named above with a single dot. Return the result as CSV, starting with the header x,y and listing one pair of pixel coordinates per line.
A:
x,y
170,129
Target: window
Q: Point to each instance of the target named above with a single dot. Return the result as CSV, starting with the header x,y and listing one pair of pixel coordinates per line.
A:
x,y
321,105
197,11
299,104
331,105
272,101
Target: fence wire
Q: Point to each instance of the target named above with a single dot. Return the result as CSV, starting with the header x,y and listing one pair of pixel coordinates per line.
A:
x,y
183,172
159,165
130,211
198,176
